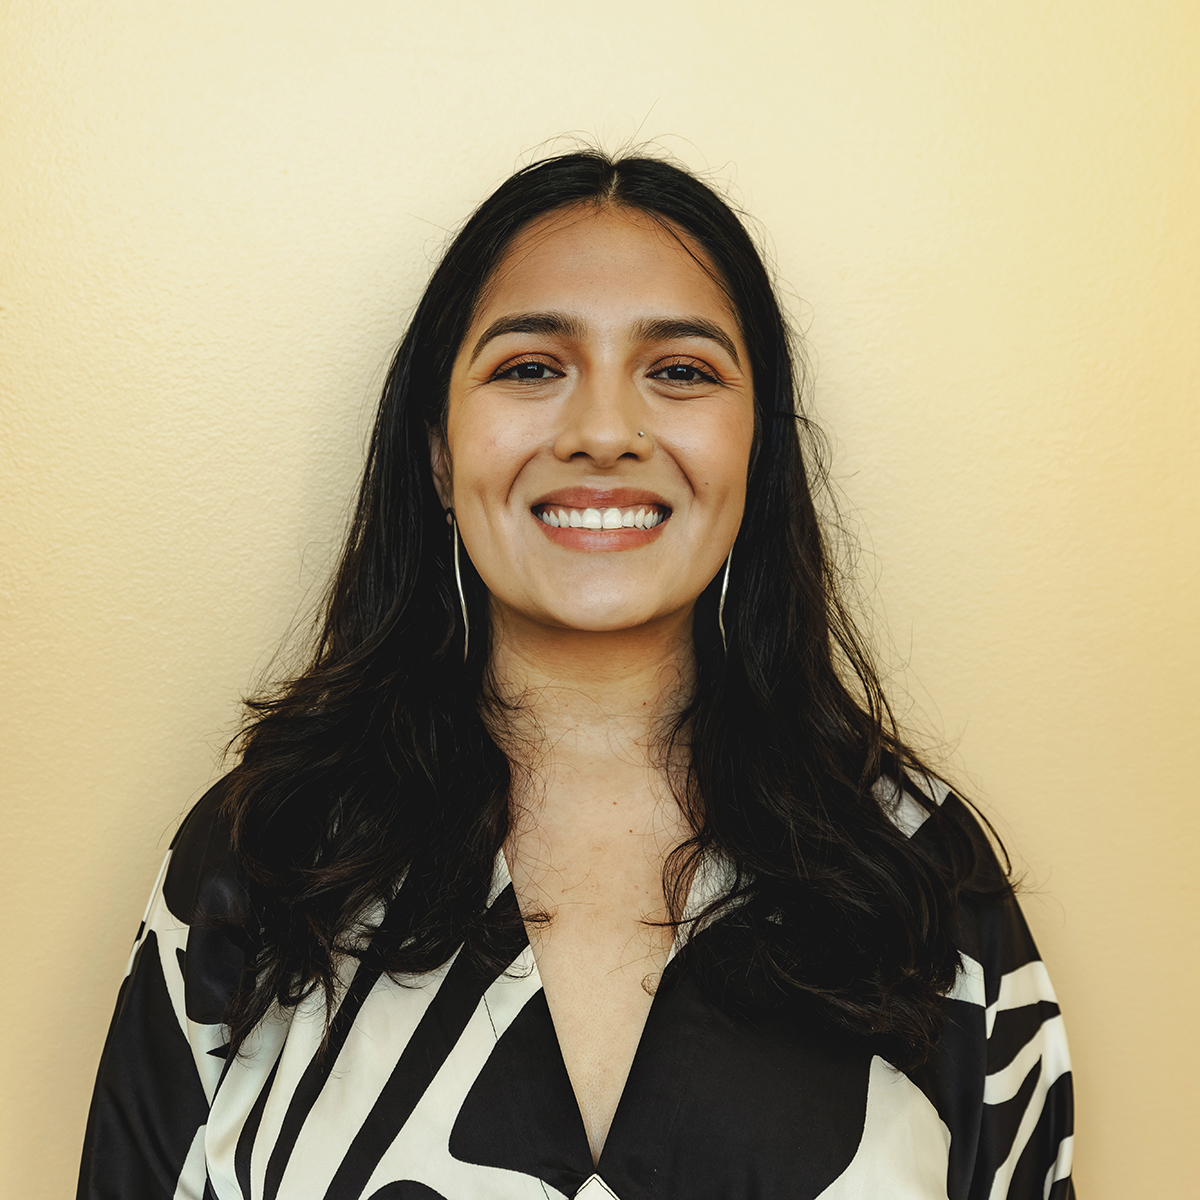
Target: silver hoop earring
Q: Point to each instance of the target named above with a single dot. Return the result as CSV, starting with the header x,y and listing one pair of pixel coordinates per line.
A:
x,y
462,600
721,605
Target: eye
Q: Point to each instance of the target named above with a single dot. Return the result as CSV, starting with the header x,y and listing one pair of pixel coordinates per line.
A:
x,y
683,372
530,369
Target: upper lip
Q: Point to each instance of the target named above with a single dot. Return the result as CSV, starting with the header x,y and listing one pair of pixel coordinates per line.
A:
x,y
586,497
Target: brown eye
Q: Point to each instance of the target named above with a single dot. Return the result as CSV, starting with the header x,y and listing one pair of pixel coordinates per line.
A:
x,y
683,373
527,370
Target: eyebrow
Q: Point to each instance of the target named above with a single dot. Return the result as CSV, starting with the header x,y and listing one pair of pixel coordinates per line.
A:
x,y
668,329
662,329
548,324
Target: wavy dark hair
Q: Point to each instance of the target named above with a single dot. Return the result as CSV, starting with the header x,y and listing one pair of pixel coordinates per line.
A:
x,y
375,765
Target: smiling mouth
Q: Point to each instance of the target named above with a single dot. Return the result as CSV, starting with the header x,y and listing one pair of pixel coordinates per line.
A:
x,y
640,516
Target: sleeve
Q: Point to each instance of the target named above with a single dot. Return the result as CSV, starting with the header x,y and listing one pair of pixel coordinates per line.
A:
x,y
165,1051
1001,1079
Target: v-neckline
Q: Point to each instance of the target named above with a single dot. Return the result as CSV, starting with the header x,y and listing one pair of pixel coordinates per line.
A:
x,y
711,879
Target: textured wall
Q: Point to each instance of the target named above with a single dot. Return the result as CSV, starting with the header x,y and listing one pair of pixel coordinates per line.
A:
x,y
215,217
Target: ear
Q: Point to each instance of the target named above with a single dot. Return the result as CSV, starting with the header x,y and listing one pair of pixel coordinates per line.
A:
x,y
439,462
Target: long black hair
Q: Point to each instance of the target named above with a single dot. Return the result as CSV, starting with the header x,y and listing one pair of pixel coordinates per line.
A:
x,y
375,767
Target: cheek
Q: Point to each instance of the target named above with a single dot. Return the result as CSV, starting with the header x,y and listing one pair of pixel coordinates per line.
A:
x,y
719,454
487,451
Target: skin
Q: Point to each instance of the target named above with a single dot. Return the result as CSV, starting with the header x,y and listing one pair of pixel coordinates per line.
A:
x,y
597,326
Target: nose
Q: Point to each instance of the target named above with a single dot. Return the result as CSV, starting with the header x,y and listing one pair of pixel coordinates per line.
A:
x,y
604,420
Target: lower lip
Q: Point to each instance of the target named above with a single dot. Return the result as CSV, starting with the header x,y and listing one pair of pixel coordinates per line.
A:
x,y
625,538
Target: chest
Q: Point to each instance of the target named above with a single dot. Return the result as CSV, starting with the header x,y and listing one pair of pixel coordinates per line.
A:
x,y
595,924
456,1087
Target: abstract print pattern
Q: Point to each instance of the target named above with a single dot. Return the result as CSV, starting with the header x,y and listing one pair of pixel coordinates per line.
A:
x,y
453,1087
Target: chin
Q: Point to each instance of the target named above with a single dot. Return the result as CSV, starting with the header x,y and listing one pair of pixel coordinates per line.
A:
x,y
606,619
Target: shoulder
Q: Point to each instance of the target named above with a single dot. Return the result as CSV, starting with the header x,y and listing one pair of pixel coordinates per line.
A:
x,y
207,893
1001,1078
943,827
204,884
1000,967
990,929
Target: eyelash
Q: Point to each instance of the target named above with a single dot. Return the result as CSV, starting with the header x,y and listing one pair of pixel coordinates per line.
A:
x,y
705,376
507,370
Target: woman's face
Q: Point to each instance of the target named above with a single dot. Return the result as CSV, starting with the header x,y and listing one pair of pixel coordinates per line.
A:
x,y
600,422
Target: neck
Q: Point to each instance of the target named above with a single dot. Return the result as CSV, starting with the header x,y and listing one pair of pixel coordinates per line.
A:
x,y
588,701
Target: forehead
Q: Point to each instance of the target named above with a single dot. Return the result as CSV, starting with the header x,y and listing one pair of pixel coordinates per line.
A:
x,y
591,257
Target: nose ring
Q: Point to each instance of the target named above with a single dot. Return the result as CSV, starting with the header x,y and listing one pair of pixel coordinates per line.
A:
x,y
641,433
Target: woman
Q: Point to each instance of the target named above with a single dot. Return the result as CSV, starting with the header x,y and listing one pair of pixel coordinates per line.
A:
x,y
583,859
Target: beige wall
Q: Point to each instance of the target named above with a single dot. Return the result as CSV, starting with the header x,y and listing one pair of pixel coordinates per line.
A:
x,y
215,217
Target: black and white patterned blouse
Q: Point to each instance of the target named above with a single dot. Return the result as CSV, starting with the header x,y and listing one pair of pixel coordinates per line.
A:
x,y
452,1086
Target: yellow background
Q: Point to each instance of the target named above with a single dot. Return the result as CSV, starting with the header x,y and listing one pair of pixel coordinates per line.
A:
x,y
216,216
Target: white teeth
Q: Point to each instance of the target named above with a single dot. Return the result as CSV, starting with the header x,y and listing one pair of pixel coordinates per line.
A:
x,y
594,518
